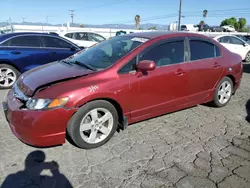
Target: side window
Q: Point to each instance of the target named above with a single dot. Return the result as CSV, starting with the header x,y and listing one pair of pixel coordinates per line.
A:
x,y
6,43
234,40
217,51
201,50
69,35
24,41
95,37
166,54
130,66
80,36
223,40
53,42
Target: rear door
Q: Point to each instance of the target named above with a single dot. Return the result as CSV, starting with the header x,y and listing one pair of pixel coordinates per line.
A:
x,y
57,48
25,51
205,68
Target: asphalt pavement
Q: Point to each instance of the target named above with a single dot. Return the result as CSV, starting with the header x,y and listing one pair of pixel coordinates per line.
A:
x,y
199,147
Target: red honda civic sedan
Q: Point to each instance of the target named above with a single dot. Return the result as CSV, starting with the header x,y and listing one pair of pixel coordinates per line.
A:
x,y
120,81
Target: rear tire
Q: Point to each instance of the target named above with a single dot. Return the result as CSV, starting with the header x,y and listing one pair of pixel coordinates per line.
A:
x,y
247,59
8,76
223,92
93,124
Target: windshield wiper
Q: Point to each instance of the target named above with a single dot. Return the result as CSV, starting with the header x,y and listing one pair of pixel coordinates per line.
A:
x,y
67,62
84,65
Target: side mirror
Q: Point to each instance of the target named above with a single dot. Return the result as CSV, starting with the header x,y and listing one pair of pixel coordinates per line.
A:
x,y
244,44
146,65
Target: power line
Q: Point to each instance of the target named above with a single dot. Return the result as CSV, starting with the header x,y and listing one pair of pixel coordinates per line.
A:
x,y
225,13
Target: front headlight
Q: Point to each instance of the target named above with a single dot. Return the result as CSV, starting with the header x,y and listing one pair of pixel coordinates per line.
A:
x,y
39,104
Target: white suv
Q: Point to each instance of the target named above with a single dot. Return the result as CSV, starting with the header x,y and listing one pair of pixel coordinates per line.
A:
x,y
83,39
229,28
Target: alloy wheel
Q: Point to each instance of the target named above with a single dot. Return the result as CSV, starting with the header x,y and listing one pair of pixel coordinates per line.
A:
x,y
248,57
96,125
7,77
225,91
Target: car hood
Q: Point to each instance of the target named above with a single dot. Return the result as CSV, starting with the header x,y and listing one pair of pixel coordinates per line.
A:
x,y
48,74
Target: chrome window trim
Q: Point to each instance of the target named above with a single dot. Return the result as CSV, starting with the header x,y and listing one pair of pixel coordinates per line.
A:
x,y
41,35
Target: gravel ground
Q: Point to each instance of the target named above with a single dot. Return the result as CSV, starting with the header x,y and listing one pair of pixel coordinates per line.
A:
x,y
199,147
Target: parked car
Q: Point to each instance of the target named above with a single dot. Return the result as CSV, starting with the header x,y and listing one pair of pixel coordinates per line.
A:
x,y
216,29
204,27
228,28
120,81
236,45
83,39
243,37
189,27
20,52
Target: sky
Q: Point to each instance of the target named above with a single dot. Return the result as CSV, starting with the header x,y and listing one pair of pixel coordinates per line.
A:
x,y
122,11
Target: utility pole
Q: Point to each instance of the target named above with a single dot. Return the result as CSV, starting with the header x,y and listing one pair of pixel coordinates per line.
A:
x,y
72,15
47,20
10,25
23,19
179,20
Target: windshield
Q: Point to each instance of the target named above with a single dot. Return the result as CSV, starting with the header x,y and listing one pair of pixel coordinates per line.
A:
x,y
108,52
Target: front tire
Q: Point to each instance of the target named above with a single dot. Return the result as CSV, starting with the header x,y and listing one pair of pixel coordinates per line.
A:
x,y
8,76
223,92
93,124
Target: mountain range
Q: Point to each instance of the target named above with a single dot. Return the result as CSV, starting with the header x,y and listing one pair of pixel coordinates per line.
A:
x,y
112,26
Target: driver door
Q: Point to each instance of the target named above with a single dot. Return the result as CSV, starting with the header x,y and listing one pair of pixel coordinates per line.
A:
x,y
162,90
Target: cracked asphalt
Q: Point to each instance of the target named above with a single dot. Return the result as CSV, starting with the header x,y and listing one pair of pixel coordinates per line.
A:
x,y
199,147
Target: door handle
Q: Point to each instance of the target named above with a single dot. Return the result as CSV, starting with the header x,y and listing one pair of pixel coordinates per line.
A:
x,y
216,65
16,52
180,72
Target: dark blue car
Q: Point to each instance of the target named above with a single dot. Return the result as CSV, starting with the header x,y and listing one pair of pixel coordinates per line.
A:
x,y
20,52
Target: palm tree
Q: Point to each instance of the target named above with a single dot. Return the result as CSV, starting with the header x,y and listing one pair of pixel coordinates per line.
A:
x,y
201,25
137,21
205,13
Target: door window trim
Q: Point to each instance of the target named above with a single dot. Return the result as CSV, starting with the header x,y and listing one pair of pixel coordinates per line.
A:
x,y
165,41
203,40
156,44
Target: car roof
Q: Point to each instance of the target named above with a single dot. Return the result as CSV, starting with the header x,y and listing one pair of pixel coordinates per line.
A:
x,y
154,34
226,36
9,35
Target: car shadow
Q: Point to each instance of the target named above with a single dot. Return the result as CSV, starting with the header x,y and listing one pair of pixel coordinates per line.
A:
x,y
31,175
246,68
248,110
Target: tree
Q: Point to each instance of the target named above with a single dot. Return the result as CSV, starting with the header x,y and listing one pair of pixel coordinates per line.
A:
x,y
81,25
137,21
152,28
242,22
205,13
238,25
202,22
